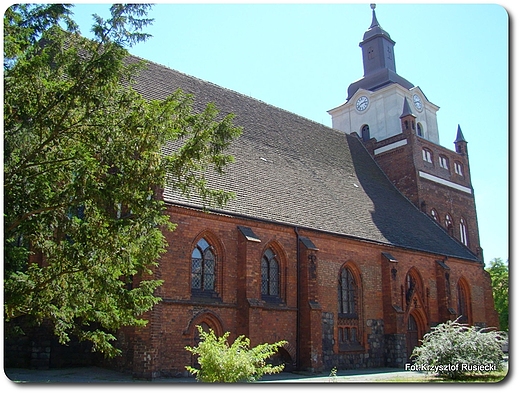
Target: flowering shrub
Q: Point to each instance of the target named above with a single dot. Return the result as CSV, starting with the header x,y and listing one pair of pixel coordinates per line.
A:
x,y
221,362
454,350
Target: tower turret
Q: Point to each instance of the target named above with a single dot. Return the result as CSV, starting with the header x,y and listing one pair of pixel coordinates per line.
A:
x,y
407,118
461,145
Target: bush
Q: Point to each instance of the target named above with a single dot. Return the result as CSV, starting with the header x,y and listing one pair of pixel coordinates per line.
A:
x,y
220,362
453,350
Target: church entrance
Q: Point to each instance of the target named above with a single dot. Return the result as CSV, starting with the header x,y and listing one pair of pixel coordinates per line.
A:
x,y
412,336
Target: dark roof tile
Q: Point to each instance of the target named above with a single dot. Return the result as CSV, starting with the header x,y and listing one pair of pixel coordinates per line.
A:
x,y
292,170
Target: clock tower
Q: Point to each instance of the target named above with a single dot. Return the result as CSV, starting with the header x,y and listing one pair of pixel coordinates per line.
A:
x,y
398,126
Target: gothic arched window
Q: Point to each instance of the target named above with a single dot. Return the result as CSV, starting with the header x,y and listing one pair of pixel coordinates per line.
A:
x,y
448,223
347,293
203,263
349,326
463,232
270,270
434,214
410,284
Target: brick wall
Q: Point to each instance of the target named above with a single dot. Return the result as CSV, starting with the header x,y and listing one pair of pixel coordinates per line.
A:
x,y
306,315
402,166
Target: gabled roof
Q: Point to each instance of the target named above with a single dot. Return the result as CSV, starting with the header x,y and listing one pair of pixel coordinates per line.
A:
x,y
294,171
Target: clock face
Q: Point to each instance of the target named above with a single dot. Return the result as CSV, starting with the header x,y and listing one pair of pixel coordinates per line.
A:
x,y
417,102
362,103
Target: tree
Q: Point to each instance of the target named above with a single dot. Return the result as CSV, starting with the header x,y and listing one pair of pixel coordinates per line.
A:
x,y
83,165
221,362
499,272
454,350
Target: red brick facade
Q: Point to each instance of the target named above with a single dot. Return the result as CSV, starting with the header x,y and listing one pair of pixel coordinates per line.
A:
x,y
307,313
419,180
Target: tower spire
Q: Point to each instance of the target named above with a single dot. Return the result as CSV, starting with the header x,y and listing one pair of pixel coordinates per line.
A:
x,y
460,136
406,109
461,145
375,23
377,50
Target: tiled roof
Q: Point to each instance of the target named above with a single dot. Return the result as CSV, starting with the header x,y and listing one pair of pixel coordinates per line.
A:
x,y
294,171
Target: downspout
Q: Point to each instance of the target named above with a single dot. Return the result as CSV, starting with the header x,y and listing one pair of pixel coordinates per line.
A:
x,y
298,284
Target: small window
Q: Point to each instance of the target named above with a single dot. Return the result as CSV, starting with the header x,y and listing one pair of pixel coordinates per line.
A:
x,y
434,214
443,162
427,155
458,169
463,232
365,133
420,132
448,223
348,336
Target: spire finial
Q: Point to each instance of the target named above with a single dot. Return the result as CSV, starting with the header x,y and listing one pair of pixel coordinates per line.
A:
x,y
375,23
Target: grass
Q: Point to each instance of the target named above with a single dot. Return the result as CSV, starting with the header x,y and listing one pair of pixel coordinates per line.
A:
x,y
492,377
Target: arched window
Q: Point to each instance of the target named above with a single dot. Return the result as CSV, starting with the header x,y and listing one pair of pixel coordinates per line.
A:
x,y
463,232
349,327
459,169
413,289
444,162
347,293
420,132
427,155
434,214
410,285
448,223
270,270
365,133
203,263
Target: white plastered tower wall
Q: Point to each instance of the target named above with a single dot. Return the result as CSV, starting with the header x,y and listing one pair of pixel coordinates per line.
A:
x,y
385,106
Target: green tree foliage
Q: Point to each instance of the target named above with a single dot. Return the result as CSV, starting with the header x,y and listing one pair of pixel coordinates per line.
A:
x,y
454,350
221,362
499,272
83,161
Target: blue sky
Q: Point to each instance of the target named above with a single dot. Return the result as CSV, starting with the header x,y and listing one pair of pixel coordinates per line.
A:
x,y
302,56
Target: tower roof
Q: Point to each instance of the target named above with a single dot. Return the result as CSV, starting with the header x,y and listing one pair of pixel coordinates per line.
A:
x,y
407,109
378,60
460,136
375,28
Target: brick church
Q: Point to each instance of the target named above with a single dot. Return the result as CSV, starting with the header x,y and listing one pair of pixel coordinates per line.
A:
x,y
348,242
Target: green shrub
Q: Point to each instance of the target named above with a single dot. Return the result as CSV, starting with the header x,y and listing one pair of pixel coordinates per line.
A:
x,y
454,350
220,362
